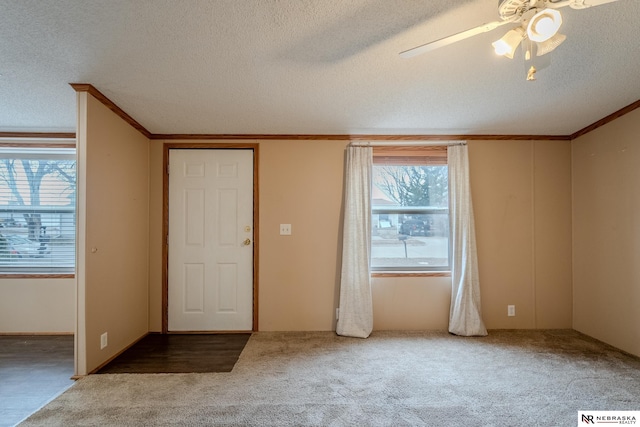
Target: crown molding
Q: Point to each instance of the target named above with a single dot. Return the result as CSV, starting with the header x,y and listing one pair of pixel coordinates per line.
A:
x,y
356,137
611,117
86,87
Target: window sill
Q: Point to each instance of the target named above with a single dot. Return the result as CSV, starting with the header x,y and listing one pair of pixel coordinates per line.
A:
x,y
37,276
411,274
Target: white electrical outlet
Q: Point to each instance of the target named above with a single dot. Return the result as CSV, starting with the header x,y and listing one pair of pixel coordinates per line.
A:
x,y
285,229
511,310
103,340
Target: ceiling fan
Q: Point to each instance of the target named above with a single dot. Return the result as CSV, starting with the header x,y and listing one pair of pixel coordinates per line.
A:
x,y
538,24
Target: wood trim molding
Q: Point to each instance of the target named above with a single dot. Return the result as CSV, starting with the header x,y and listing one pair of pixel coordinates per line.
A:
x,y
36,334
37,276
209,332
411,274
165,239
356,137
205,145
611,117
38,135
85,87
165,221
37,144
410,150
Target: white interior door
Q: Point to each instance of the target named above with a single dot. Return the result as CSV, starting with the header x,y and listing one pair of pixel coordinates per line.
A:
x,y
210,265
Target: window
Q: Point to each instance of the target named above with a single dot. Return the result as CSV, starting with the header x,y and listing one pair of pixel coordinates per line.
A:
x,y
410,208
37,210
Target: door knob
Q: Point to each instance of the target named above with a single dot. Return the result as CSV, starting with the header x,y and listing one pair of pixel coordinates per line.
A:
x,y
247,242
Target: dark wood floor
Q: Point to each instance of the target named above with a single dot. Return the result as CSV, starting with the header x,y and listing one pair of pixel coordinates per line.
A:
x,y
33,370
36,369
172,353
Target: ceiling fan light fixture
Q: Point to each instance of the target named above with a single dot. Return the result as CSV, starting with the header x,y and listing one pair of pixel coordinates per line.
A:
x,y
544,25
508,44
549,45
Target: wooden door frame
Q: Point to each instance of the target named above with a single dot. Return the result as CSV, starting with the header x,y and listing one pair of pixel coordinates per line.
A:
x,y
165,219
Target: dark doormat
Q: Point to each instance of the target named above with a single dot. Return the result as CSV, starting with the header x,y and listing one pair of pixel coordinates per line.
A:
x,y
168,354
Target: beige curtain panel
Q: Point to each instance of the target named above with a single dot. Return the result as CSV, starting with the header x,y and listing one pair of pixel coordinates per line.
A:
x,y
465,316
355,317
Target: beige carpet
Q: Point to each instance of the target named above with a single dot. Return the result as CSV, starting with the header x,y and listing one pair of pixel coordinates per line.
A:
x,y
509,378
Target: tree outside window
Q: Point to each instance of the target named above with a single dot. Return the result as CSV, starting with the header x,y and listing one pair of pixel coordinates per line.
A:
x,y
410,207
37,210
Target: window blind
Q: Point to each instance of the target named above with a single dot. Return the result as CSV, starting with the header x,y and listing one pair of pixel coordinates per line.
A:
x,y
410,156
37,210
410,209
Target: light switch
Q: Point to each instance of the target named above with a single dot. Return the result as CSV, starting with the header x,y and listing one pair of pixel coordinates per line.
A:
x,y
285,229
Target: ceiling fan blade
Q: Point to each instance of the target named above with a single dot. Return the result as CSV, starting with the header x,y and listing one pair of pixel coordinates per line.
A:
x,y
583,4
427,47
578,4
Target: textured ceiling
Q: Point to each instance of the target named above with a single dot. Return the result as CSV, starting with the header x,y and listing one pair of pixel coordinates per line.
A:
x,y
308,67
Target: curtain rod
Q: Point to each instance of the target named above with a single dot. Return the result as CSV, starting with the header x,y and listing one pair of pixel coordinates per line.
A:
x,y
405,143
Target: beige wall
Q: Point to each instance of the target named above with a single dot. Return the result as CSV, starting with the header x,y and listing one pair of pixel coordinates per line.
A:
x,y
523,217
522,199
521,193
411,303
113,233
301,185
33,306
552,234
606,233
